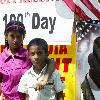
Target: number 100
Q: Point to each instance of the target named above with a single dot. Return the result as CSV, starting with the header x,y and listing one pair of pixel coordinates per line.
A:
x,y
19,17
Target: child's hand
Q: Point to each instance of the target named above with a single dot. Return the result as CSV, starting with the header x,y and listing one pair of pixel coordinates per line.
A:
x,y
40,85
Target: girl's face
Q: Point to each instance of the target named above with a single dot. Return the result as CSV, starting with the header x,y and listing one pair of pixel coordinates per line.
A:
x,y
37,56
14,39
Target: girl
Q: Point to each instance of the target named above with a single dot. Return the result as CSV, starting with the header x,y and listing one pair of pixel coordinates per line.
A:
x,y
14,62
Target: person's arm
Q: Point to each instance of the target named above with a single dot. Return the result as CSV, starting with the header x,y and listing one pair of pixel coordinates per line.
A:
x,y
1,78
1,95
0,85
59,85
51,67
0,89
60,95
22,87
0,92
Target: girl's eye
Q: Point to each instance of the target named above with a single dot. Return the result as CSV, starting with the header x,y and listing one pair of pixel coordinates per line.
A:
x,y
32,53
12,36
19,37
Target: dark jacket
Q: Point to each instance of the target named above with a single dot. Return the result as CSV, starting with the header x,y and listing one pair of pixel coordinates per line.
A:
x,y
86,90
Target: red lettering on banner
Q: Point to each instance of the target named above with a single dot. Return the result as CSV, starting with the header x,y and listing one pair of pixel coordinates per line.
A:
x,y
56,50
58,63
50,49
66,62
4,1
14,1
63,49
24,1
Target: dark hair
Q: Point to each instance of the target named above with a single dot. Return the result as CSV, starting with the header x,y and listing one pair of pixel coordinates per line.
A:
x,y
96,42
38,42
14,26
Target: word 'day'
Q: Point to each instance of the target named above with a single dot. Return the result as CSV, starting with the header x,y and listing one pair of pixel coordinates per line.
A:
x,y
44,22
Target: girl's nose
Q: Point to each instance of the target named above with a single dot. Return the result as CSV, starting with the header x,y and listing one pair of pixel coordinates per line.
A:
x,y
15,39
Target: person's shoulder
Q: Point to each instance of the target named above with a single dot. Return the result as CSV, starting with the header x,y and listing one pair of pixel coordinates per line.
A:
x,y
23,50
28,71
3,57
85,84
55,73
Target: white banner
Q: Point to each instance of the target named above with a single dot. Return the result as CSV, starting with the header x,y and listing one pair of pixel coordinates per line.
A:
x,y
52,20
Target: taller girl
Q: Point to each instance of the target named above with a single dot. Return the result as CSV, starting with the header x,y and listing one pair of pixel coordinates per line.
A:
x,y
14,62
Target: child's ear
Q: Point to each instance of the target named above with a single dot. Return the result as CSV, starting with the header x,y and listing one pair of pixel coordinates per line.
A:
x,y
6,37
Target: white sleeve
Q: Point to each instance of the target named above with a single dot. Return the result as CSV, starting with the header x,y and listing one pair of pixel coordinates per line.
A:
x,y
22,87
59,85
